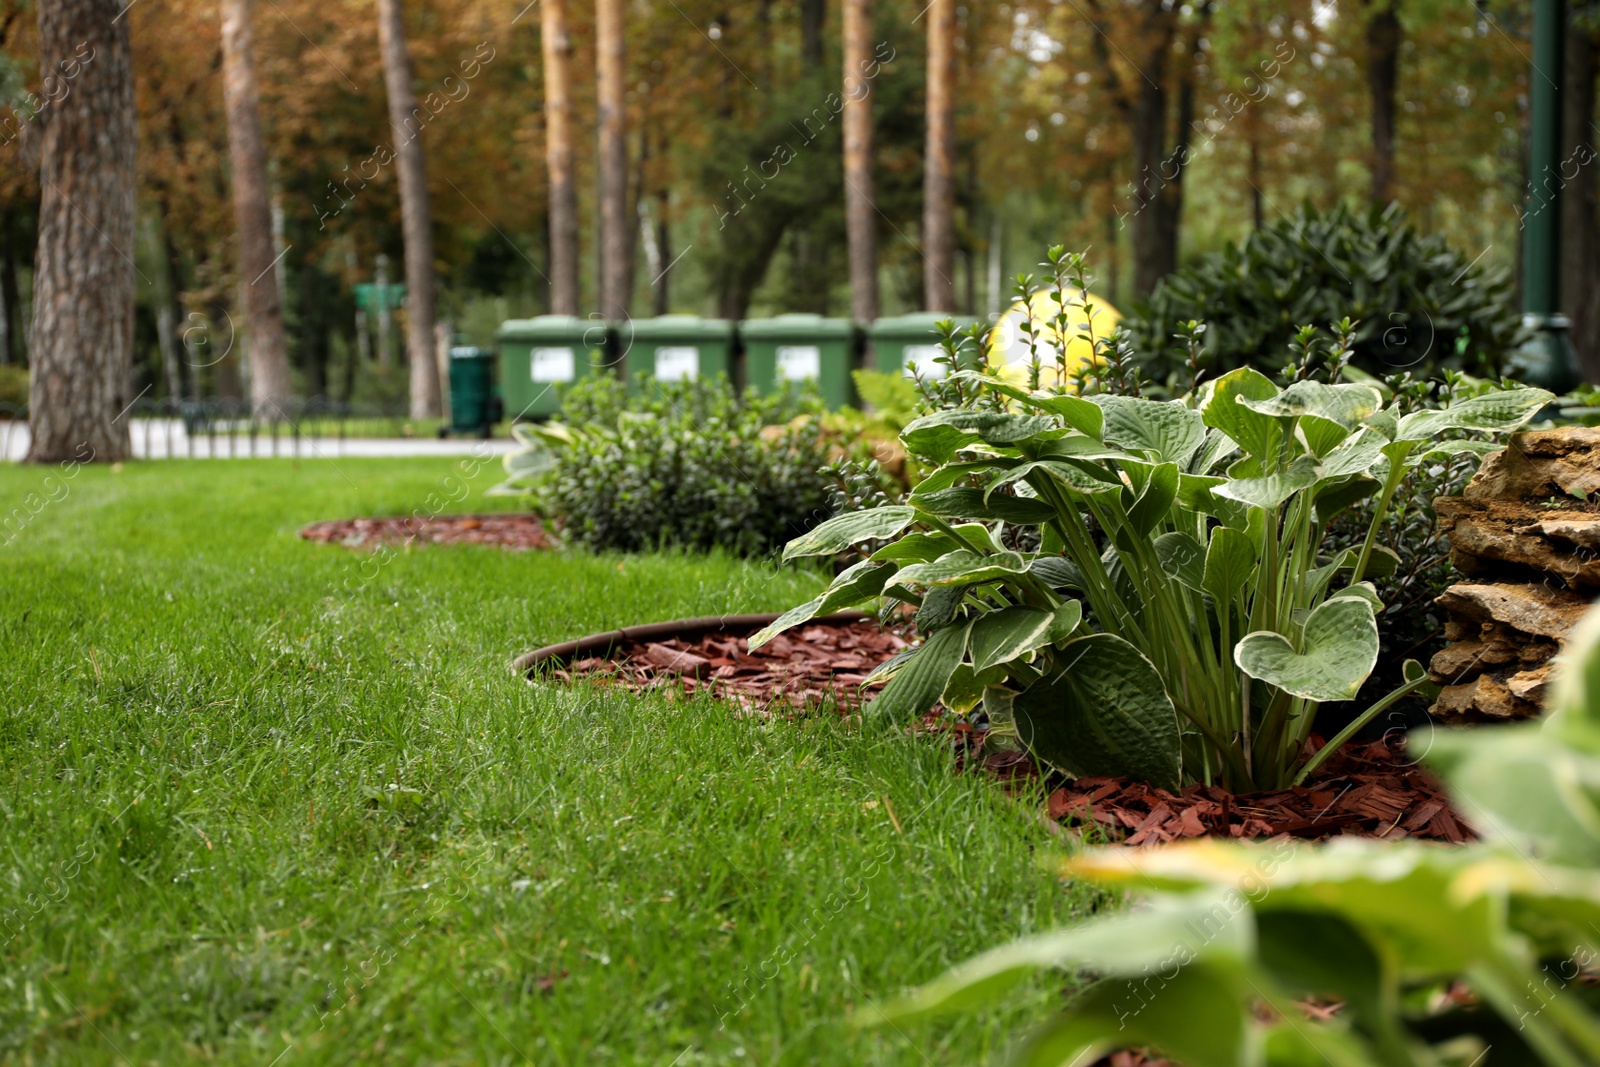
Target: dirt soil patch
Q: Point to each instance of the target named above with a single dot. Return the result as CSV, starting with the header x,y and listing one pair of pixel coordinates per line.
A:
x,y
823,662
515,531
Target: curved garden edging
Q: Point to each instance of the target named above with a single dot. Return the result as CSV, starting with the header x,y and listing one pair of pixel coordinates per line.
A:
x,y
603,643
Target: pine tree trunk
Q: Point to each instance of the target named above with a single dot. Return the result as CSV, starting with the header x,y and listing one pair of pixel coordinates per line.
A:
x,y
616,282
1383,78
416,219
564,293
83,287
252,210
861,221
938,182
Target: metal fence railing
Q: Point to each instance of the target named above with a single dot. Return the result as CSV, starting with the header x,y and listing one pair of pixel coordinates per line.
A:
x,y
232,427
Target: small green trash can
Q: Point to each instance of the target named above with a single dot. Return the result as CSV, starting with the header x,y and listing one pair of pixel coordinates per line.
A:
x,y
906,341
675,348
471,390
541,356
787,351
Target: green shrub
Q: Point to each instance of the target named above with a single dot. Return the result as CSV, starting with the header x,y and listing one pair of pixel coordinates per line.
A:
x,y
14,386
1134,586
1396,931
685,463
1420,303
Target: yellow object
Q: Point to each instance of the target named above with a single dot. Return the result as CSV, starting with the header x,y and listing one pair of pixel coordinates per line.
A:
x,y
1006,347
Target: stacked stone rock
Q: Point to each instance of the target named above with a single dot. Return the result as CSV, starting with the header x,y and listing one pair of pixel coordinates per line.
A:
x,y
1526,534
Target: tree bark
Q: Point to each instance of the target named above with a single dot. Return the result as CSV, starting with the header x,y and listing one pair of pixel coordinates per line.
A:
x,y
938,182
83,288
252,210
861,223
416,218
557,45
1383,77
616,281
1580,258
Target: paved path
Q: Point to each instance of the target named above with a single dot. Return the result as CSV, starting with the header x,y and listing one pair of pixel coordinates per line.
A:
x,y
166,439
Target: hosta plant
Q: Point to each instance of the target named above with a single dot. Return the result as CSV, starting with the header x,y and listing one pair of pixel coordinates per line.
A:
x,y
1471,957
1136,586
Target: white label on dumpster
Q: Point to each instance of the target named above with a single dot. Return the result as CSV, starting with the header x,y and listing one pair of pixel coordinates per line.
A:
x,y
799,363
463,352
677,363
922,359
552,365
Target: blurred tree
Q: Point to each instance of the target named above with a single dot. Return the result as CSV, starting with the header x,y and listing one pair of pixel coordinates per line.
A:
x,y
557,51
616,275
860,211
938,181
269,358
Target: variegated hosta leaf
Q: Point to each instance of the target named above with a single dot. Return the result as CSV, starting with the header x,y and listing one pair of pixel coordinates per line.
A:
x,y
1346,404
1273,489
1001,636
1338,649
1497,412
840,533
1165,427
1258,435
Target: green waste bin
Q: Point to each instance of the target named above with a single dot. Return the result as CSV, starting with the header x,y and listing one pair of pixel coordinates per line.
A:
x,y
674,348
540,357
911,341
471,390
790,350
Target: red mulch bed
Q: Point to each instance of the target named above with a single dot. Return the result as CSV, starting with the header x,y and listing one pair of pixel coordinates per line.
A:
x,y
809,665
514,531
1368,790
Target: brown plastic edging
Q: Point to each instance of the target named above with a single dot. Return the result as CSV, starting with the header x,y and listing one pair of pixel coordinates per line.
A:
x,y
604,642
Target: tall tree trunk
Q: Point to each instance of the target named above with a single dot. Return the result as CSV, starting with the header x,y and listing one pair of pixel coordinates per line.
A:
x,y
1580,258
663,249
616,281
1154,241
416,219
252,210
557,43
861,223
83,288
938,182
1383,78
10,295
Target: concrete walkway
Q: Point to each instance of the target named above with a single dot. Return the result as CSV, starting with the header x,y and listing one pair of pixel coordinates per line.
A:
x,y
166,439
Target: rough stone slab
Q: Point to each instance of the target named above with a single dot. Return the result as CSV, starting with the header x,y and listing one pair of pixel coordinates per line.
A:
x,y
1529,608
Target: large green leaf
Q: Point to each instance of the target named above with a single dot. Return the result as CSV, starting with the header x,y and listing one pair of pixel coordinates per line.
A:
x,y
1155,499
1272,490
1496,412
861,582
1357,454
1124,945
1182,557
938,436
971,504
1001,636
1165,427
963,567
1259,435
840,533
1230,563
918,547
1338,650
1104,711
1346,404
1197,1016
1081,414
919,681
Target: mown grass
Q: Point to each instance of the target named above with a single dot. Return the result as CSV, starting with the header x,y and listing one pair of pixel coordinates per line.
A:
x,y
267,801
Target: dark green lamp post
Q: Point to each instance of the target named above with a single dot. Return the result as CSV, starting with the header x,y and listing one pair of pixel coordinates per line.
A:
x,y
1546,357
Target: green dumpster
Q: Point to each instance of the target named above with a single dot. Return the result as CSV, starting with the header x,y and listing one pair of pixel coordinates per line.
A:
x,y
539,357
675,348
790,350
471,389
911,341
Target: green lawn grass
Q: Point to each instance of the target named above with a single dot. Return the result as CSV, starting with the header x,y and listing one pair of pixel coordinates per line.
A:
x,y
204,858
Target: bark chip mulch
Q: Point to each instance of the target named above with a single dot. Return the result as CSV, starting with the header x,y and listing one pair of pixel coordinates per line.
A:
x,y
1367,790
515,531
810,665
